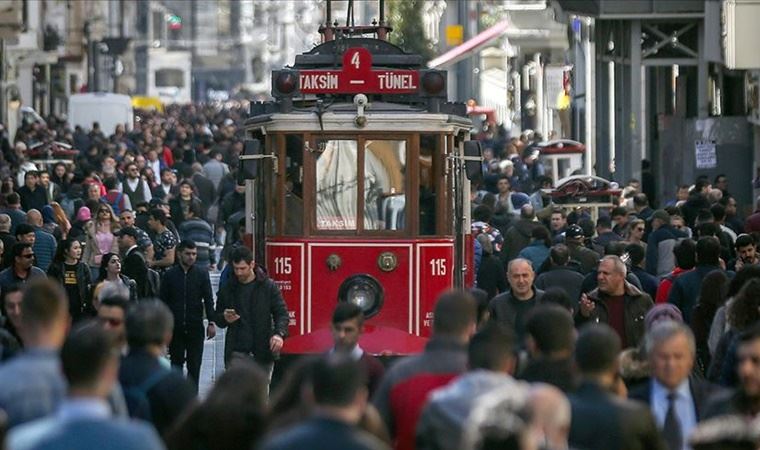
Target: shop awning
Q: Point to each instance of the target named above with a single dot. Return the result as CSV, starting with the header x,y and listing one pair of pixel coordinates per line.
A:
x,y
464,50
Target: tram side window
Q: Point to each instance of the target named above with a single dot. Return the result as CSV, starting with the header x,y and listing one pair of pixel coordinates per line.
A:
x,y
337,180
428,151
384,185
294,185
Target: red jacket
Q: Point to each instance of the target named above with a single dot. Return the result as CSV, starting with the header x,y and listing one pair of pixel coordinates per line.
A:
x,y
663,291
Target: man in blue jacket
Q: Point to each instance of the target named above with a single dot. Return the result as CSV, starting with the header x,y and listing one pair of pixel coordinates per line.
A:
x,y
186,289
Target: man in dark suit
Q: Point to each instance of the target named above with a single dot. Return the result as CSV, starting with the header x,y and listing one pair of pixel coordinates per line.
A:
x,y
134,265
676,400
600,420
340,396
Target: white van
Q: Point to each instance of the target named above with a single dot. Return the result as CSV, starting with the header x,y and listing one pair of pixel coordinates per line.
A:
x,y
105,108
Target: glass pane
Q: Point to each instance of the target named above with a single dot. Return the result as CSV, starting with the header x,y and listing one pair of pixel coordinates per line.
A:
x,y
294,185
337,191
429,160
384,185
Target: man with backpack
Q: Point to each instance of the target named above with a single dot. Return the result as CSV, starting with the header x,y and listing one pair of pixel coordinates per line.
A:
x,y
115,198
153,392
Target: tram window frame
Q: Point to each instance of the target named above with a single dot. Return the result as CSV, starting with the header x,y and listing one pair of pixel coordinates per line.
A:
x,y
294,142
310,159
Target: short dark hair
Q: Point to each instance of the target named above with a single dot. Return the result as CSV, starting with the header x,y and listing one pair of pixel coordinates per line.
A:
x,y
604,222
24,228
491,347
158,215
708,250
86,351
147,323
619,211
347,311
31,173
750,334
551,327
718,212
558,296
241,253
700,184
13,198
187,182
110,183
636,252
118,301
18,248
616,248
336,379
186,244
559,254
686,254
166,169
718,177
455,311
597,349
744,240
44,302
482,213
640,199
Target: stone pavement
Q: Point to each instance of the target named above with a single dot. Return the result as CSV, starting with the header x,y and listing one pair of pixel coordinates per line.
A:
x,y
213,352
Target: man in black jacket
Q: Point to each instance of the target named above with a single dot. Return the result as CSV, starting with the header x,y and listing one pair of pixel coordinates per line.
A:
x,y
186,289
251,305
601,421
511,308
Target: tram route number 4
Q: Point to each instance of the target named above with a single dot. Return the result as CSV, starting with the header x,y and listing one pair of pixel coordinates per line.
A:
x,y
358,77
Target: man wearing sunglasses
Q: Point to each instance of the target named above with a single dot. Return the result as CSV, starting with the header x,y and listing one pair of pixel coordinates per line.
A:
x,y
22,268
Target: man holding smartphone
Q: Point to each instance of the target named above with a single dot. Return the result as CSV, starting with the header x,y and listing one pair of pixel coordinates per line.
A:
x,y
251,305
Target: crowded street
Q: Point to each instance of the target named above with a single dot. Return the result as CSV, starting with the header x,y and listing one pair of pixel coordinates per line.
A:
x,y
380,224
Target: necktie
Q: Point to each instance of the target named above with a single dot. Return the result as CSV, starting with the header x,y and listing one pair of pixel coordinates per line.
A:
x,y
671,431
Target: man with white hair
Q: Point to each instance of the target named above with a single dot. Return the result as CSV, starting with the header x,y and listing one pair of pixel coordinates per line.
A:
x,y
676,399
5,231
616,302
511,308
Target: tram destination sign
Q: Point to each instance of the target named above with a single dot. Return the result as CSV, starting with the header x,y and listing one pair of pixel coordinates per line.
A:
x,y
357,76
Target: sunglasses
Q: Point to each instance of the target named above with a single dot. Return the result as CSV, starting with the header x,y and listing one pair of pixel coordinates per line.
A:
x,y
639,229
28,256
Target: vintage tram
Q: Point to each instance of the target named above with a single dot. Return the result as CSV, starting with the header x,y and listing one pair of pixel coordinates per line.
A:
x,y
357,190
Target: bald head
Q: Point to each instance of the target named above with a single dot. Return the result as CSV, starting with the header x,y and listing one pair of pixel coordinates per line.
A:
x,y
551,414
521,276
34,218
5,223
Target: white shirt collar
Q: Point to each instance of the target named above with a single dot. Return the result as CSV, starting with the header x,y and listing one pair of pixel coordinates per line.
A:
x,y
84,408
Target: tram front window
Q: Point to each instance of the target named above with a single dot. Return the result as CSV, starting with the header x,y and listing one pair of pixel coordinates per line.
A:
x,y
336,179
384,185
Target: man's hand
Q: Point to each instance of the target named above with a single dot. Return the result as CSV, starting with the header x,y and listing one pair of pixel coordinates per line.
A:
x,y
230,315
275,343
210,330
587,306
739,264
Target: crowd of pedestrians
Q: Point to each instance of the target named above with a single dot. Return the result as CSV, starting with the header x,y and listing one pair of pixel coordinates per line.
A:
x,y
637,330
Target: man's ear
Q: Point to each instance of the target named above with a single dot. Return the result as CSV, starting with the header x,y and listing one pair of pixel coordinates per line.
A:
x,y
530,344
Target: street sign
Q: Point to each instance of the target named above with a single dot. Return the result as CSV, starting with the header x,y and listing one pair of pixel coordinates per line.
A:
x,y
358,77
706,156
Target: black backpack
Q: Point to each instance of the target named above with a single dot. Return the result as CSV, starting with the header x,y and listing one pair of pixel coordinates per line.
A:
x,y
136,397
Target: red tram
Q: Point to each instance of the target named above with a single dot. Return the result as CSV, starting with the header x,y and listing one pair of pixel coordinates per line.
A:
x,y
357,189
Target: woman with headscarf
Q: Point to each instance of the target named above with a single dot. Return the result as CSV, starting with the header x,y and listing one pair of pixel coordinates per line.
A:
x,y
78,227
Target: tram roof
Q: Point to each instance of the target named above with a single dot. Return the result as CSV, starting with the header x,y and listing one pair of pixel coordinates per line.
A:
x,y
339,117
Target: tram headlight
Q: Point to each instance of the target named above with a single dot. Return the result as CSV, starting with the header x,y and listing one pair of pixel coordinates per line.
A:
x,y
364,291
286,82
433,82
